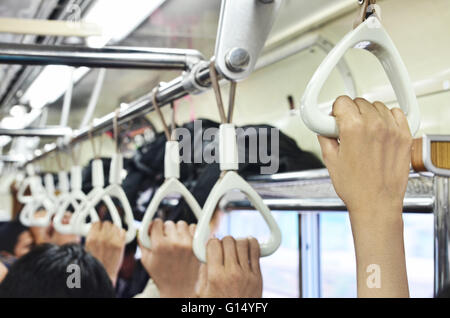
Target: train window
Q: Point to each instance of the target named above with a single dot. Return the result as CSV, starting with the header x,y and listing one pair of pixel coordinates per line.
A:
x,y
338,268
280,270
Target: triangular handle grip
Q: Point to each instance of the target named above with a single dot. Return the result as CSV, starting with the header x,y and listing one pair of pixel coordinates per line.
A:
x,y
31,183
76,199
38,198
49,207
371,36
116,191
233,181
169,186
81,226
25,213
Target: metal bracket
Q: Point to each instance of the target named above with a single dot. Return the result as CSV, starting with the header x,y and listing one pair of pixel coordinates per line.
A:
x,y
190,81
427,154
368,8
243,30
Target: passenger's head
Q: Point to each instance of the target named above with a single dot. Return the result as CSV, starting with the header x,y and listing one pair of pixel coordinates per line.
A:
x,y
66,271
15,239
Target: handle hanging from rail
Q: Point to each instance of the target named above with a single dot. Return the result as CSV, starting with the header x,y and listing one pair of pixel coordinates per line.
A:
x,y
43,197
114,190
230,180
371,36
82,227
171,183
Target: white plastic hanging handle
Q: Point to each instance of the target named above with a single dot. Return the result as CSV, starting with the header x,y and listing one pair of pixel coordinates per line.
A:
x,y
369,35
171,185
39,198
83,228
63,180
232,181
228,151
74,198
49,185
27,183
25,213
114,190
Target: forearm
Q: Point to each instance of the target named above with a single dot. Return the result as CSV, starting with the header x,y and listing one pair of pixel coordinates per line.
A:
x,y
380,255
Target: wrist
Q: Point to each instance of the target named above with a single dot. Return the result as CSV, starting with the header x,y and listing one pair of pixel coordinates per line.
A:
x,y
113,279
175,294
383,214
113,276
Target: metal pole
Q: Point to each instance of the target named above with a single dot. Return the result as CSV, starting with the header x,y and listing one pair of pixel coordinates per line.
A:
x,y
172,91
441,233
49,131
93,101
108,57
327,204
310,249
67,103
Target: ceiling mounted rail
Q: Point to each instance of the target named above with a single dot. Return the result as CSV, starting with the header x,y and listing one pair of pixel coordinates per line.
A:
x,y
181,86
108,57
49,132
12,159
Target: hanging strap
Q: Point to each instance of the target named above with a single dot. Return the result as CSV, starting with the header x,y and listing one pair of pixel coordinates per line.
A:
x,y
75,154
367,9
116,129
158,111
96,151
167,131
217,92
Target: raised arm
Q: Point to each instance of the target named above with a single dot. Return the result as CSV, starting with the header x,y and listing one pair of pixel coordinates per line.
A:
x,y
369,167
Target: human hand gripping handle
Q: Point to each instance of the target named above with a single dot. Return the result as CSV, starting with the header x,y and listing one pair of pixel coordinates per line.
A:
x,y
369,167
170,262
232,269
106,242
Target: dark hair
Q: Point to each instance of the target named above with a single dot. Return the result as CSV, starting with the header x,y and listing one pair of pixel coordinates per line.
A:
x,y
9,235
46,271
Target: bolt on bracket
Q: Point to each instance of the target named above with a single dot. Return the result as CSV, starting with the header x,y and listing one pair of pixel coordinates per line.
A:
x,y
243,30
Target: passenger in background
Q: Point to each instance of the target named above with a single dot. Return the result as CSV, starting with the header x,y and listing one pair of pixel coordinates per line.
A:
x,y
369,167
106,242
15,241
50,235
232,269
50,271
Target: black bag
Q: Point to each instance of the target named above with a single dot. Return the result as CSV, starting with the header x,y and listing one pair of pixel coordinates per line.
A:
x,y
201,177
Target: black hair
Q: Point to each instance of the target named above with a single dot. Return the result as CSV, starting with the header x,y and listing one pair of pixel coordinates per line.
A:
x,y
48,271
9,235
